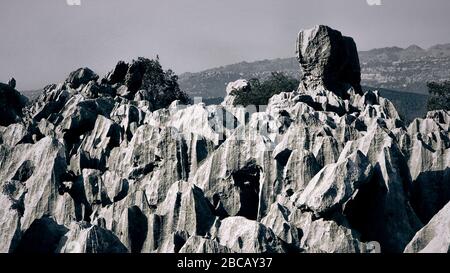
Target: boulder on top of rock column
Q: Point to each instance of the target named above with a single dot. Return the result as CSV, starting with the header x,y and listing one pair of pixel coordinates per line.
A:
x,y
328,59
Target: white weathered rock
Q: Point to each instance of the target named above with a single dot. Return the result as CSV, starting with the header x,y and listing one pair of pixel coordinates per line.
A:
x,y
40,167
322,236
197,244
84,238
13,134
427,147
11,200
245,236
335,184
240,85
279,220
435,236
99,142
186,209
388,190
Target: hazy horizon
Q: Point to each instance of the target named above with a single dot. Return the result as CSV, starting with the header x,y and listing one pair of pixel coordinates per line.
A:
x,y
43,41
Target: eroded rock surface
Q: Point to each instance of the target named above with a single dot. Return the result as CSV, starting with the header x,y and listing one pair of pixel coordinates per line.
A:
x,y
435,236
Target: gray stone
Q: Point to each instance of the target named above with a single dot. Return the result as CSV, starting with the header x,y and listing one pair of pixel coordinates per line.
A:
x,y
433,237
329,59
80,77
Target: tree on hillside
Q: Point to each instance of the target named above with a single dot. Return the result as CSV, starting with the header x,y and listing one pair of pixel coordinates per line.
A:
x,y
161,85
259,92
439,96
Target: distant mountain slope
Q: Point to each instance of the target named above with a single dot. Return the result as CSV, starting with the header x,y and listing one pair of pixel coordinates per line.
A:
x,y
32,94
391,68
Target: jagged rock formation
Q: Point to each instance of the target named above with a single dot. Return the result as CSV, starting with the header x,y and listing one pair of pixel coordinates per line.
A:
x,y
237,86
92,167
435,236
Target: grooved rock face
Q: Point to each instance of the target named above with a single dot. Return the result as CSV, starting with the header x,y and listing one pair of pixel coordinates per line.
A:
x,y
84,238
435,236
279,220
11,199
197,244
246,236
325,236
335,184
327,58
39,167
429,163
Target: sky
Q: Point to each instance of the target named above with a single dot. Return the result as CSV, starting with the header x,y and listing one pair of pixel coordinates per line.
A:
x,y
42,41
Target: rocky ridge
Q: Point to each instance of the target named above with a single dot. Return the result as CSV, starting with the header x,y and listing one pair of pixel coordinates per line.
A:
x,y
90,167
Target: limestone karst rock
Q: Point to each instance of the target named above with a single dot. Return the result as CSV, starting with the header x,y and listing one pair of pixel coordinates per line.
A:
x,y
327,58
335,184
81,76
279,220
247,236
11,198
328,236
197,244
89,166
40,168
435,236
428,155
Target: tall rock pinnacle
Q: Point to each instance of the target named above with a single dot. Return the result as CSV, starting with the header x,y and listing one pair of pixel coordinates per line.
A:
x,y
328,59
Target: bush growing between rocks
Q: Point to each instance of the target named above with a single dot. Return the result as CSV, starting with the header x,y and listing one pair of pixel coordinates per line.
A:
x,y
161,85
439,96
259,92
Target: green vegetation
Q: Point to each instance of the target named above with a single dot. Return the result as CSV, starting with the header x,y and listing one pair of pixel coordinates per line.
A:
x,y
439,96
161,85
259,92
